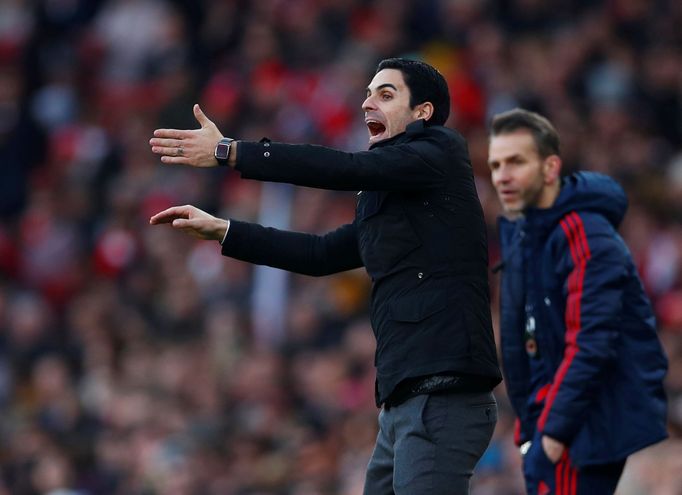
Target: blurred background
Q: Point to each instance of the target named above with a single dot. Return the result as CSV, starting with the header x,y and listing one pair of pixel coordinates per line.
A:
x,y
136,360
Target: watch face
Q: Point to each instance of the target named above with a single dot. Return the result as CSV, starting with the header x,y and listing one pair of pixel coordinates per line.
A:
x,y
221,151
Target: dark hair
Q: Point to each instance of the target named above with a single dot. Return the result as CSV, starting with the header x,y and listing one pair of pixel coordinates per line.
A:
x,y
425,84
544,134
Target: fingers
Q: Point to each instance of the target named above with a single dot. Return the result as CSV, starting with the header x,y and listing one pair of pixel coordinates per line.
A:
x,y
183,224
200,116
170,214
172,151
176,160
172,133
164,151
193,147
166,143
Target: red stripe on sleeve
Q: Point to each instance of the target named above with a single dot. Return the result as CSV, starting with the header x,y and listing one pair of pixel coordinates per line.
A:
x,y
581,233
573,226
572,244
577,240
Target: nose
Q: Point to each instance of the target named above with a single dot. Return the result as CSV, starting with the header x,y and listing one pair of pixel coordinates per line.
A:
x,y
368,104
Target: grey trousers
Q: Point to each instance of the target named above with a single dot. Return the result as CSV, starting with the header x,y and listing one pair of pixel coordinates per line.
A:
x,y
430,444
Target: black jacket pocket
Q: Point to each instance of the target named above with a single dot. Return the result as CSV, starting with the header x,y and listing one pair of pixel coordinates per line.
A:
x,y
418,307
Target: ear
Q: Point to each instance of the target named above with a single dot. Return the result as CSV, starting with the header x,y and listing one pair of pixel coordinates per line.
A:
x,y
424,110
552,167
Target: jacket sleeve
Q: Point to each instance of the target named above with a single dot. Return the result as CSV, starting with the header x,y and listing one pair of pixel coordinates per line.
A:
x,y
596,260
419,164
297,252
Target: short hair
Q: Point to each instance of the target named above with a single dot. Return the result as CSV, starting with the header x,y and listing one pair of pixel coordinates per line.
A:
x,y
544,134
425,84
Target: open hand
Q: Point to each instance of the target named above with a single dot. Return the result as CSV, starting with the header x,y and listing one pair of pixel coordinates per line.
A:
x,y
193,221
193,147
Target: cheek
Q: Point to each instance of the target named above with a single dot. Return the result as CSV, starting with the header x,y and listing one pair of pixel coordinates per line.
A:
x,y
526,180
537,182
495,177
399,121
531,187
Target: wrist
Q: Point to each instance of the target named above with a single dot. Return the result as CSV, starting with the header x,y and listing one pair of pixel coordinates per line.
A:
x,y
220,231
232,155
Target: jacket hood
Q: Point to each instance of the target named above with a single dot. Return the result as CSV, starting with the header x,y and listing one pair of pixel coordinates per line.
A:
x,y
593,192
581,191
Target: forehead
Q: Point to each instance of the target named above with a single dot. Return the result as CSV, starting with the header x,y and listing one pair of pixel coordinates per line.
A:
x,y
388,76
519,142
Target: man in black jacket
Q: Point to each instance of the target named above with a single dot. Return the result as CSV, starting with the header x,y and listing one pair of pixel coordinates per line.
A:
x,y
420,234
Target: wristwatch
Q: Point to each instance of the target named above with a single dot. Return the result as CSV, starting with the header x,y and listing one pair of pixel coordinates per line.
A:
x,y
222,151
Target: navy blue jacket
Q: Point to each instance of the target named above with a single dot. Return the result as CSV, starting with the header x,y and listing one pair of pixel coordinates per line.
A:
x,y
571,297
418,231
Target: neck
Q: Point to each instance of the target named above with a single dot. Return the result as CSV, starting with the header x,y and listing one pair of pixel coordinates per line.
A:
x,y
549,195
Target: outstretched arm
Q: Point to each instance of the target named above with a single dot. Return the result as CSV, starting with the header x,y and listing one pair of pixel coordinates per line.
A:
x,y
297,252
425,161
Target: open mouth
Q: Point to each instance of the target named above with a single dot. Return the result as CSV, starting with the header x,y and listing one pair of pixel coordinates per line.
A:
x,y
375,127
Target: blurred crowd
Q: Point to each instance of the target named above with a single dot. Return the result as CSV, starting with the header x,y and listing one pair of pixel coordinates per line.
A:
x,y
129,363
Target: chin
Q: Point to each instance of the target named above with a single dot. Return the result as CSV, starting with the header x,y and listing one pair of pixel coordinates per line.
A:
x,y
377,139
512,209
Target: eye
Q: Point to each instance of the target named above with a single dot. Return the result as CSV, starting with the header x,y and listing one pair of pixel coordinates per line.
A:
x,y
386,96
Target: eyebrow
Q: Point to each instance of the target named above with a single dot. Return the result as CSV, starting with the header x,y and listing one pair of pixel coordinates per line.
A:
x,y
514,156
382,86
